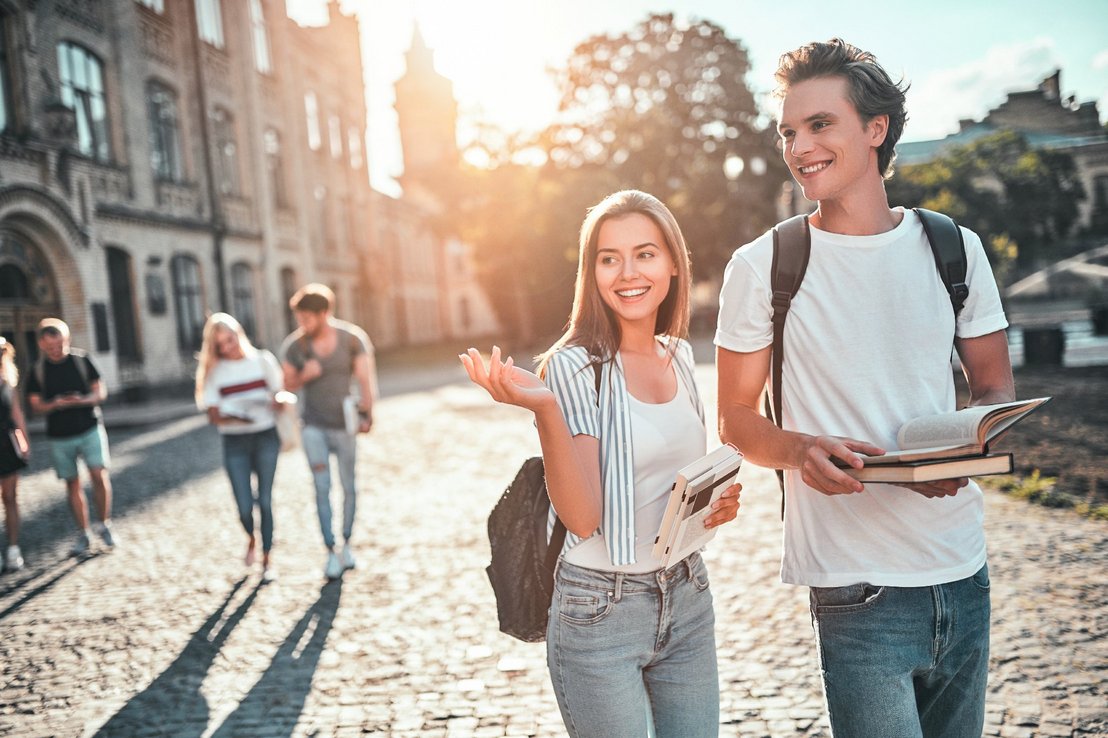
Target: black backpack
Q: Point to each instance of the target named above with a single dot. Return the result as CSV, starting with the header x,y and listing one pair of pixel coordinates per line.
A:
x,y
792,243
522,568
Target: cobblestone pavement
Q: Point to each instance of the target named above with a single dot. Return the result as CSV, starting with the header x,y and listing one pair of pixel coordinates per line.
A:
x,y
170,636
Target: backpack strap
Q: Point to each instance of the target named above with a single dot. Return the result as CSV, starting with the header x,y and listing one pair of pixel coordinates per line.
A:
x,y
40,374
792,244
558,535
949,249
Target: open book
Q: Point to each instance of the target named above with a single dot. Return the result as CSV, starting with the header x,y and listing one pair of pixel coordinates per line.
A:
x,y
966,432
696,487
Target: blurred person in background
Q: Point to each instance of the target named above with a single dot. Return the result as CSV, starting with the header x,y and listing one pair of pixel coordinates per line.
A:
x,y
14,451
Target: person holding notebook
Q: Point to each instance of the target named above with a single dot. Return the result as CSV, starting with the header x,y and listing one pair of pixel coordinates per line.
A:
x,y
628,643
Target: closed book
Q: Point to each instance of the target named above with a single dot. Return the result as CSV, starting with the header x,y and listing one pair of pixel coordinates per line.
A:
x,y
930,471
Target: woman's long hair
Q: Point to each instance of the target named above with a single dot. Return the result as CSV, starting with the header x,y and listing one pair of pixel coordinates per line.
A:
x,y
8,371
592,323
209,352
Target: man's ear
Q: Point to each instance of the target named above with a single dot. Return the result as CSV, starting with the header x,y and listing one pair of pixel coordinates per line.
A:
x,y
878,127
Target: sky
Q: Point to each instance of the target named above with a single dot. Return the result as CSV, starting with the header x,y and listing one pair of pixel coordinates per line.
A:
x,y
960,56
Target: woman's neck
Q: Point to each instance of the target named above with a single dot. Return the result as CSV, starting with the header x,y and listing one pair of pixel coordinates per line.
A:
x,y
638,340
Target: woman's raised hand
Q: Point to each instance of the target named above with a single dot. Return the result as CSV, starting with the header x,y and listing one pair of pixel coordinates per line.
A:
x,y
506,382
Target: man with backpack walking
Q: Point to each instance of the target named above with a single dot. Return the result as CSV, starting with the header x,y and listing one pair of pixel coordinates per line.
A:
x,y
898,575
330,363
65,387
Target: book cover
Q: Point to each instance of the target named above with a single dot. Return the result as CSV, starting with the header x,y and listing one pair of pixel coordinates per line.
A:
x,y
932,470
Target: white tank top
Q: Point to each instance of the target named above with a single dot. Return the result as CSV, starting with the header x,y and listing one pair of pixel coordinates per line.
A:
x,y
664,437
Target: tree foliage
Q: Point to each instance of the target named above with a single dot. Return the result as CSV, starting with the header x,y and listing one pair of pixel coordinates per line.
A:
x,y
1020,200
663,108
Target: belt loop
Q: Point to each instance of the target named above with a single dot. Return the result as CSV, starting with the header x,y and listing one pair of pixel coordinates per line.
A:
x,y
618,595
687,561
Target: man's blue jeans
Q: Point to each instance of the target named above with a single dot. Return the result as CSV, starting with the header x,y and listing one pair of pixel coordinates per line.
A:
x,y
319,444
245,455
905,662
627,648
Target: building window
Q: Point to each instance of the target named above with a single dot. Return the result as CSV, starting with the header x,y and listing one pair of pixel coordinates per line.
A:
x,y
354,147
188,301
261,40
242,297
288,289
334,131
6,107
209,21
311,110
226,151
276,169
158,6
82,88
120,285
165,143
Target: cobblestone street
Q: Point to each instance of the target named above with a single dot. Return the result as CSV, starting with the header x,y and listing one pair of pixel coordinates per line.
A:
x,y
170,636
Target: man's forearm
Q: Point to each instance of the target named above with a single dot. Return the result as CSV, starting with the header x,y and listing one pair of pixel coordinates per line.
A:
x,y
761,442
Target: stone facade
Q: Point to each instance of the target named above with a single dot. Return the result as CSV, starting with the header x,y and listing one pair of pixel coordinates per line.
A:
x,y
163,160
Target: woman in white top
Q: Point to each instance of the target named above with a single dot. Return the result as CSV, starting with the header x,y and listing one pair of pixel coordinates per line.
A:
x,y
628,643
236,383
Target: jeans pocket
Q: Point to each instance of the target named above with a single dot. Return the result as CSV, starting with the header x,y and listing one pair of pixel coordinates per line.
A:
x,y
850,598
698,574
981,579
583,606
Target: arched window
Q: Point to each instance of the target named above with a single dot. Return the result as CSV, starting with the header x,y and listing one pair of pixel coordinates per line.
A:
x,y
14,284
275,167
188,301
7,111
82,88
242,297
165,147
226,151
288,289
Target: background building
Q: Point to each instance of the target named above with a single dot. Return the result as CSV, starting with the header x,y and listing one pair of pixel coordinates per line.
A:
x,y
163,160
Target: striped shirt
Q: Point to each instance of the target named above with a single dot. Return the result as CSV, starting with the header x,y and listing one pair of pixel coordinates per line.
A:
x,y
608,419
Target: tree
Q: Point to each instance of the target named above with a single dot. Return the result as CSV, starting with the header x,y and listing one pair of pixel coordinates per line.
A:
x,y
1020,200
665,108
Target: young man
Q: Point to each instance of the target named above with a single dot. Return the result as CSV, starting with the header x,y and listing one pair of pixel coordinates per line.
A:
x,y
328,360
65,387
899,583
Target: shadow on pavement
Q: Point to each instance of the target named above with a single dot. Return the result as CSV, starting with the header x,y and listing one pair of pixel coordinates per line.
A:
x,y
173,700
278,697
167,466
55,574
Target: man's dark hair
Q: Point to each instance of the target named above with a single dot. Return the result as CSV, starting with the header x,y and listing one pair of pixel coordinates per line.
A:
x,y
313,298
872,90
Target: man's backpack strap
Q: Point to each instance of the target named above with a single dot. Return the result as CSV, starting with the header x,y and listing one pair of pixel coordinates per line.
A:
x,y
949,249
791,247
558,535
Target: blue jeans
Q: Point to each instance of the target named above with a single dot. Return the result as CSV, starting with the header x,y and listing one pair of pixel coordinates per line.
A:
x,y
628,649
319,444
248,454
904,661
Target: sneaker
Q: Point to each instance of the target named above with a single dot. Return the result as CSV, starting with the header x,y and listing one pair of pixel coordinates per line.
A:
x,y
14,560
105,532
80,546
348,561
269,574
333,569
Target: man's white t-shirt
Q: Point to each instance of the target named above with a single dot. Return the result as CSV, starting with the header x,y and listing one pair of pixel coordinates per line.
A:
x,y
867,346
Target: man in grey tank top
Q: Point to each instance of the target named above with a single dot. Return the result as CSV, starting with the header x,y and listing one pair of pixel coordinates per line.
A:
x,y
330,363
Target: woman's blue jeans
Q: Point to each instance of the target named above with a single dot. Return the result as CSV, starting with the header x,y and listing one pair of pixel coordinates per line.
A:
x,y
628,649
246,455
904,661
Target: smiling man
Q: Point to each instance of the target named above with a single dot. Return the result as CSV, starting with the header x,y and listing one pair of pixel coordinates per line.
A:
x,y
899,582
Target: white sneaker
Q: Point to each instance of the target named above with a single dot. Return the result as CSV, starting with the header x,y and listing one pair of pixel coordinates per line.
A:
x,y
333,569
348,561
14,560
106,535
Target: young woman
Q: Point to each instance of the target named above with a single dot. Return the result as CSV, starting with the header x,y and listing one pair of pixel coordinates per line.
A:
x,y
236,383
13,451
628,643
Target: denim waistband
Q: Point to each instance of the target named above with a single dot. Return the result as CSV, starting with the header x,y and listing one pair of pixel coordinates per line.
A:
x,y
683,571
